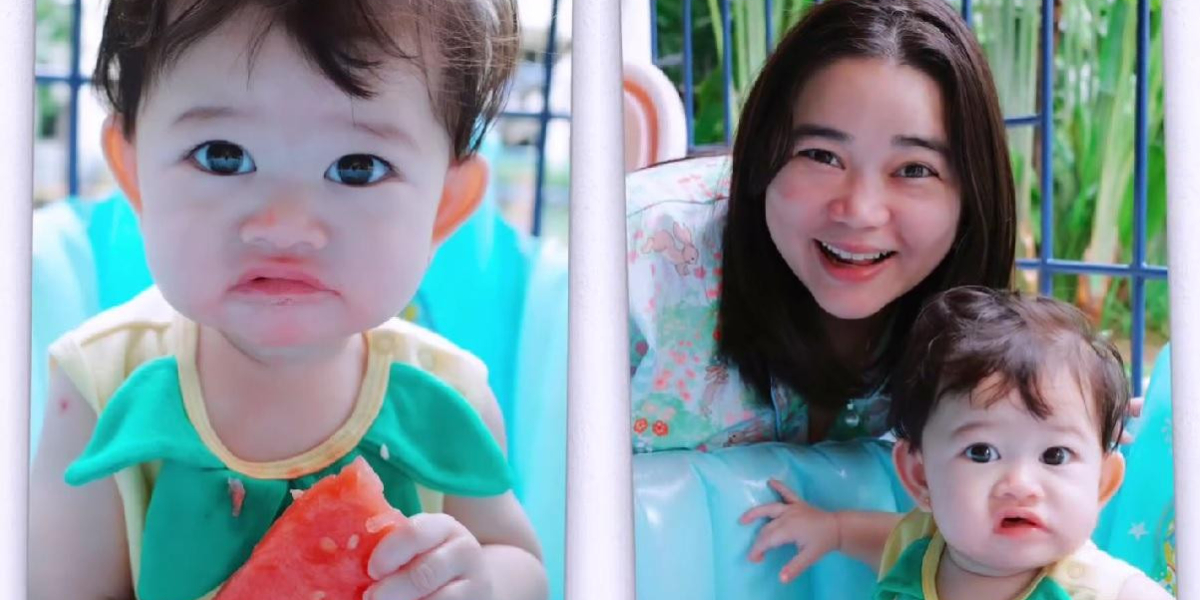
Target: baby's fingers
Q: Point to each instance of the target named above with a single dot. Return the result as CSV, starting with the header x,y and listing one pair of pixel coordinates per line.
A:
x,y
1136,405
428,574
420,534
799,564
785,492
771,511
771,536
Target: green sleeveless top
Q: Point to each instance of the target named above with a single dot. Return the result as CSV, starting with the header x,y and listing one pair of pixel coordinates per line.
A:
x,y
194,511
915,549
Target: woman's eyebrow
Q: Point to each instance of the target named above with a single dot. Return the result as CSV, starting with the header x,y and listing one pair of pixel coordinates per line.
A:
x,y
821,131
911,141
920,142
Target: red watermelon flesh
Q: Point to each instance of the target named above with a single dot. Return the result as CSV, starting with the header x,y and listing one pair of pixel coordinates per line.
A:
x,y
319,547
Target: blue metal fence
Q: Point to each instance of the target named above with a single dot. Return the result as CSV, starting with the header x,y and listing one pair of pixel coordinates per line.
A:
x,y
1045,264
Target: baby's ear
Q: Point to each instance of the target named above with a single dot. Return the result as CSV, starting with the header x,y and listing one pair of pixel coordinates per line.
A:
x,y
910,466
121,157
466,183
1112,473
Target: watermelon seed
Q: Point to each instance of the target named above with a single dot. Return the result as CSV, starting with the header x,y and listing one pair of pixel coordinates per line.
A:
x,y
328,545
352,543
318,596
383,451
376,523
296,494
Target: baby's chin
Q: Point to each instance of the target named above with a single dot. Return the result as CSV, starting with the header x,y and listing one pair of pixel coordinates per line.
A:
x,y
1007,562
286,331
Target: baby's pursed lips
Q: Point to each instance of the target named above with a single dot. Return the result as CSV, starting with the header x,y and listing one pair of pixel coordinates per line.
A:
x,y
1018,518
285,273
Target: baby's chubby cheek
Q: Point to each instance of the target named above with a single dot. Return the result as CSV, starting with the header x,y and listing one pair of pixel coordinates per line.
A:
x,y
381,293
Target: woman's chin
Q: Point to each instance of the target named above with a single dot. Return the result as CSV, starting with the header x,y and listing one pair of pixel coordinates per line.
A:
x,y
849,309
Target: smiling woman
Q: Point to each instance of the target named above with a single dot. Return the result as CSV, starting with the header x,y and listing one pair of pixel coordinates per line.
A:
x,y
869,205
869,172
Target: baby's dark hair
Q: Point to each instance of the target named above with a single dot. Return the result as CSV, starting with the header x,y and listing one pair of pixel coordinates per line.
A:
x,y
967,335
477,42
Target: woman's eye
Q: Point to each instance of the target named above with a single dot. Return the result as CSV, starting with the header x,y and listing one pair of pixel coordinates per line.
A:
x,y
1056,456
916,171
824,157
358,170
981,453
223,158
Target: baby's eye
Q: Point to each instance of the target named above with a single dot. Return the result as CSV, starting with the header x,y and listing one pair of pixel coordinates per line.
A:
x,y
1056,456
358,170
982,453
916,171
824,157
223,158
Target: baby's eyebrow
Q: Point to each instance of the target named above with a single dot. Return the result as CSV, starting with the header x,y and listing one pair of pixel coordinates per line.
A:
x,y
967,427
1070,429
387,132
207,113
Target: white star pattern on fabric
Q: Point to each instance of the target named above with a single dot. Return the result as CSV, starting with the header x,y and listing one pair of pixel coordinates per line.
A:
x,y
1138,530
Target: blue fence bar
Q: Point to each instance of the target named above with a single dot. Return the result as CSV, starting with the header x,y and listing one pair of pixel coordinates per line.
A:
x,y
1140,184
727,67
654,31
689,87
73,102
533,115
547,74
1060,266
966,11
50,79
769,20
1026,121
1046,252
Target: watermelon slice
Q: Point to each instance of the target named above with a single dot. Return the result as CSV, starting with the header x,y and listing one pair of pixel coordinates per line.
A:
x,y
319,547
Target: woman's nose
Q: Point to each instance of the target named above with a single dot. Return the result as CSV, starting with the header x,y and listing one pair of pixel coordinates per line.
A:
x,y
863,205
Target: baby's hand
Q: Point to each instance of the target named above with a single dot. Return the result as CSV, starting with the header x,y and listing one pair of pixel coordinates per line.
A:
x,y
814,532
431,557
1135,411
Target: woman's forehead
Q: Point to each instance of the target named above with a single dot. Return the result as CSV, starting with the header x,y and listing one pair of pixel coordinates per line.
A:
x,y
872,95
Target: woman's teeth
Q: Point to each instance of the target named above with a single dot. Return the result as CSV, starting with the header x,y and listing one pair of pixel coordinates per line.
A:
x,y
852,257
